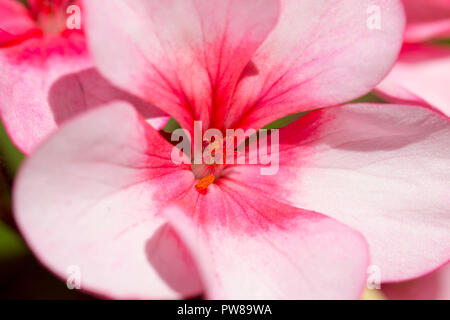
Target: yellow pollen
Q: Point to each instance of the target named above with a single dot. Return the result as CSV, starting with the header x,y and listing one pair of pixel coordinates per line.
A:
x,y
204,183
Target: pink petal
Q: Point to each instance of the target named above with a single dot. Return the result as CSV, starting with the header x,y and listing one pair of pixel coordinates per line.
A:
x,y
184,56
433,286
89,197
384,170
15,23
427,19
248,246
46,79
420,77
321,53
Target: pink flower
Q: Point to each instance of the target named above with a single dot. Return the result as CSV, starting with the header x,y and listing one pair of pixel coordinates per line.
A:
x,y
433,286
103,193
47,75
421,74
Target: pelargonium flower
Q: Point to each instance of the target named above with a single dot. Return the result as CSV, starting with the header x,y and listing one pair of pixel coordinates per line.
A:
x,y
47,74
355,182
421,73
433,286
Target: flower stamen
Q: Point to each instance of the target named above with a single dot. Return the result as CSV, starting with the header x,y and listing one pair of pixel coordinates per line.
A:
x,y
205,183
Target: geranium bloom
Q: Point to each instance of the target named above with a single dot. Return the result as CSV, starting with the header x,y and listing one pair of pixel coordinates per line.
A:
x,y
47,75
421,74
103,193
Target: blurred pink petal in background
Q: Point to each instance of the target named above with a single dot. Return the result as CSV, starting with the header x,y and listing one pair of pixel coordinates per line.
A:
x,y
421,75
427,19
47,75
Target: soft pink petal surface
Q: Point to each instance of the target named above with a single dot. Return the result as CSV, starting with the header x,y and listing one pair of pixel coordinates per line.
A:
x,y
248,246
183,56
433,286
384,170
46,79
427,19
421,76
321,53
90,197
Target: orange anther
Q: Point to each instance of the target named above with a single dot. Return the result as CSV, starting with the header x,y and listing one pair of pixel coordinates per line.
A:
x,y
204,183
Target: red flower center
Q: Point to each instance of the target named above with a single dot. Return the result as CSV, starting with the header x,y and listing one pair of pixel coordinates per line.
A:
x,y
215,159
50,15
